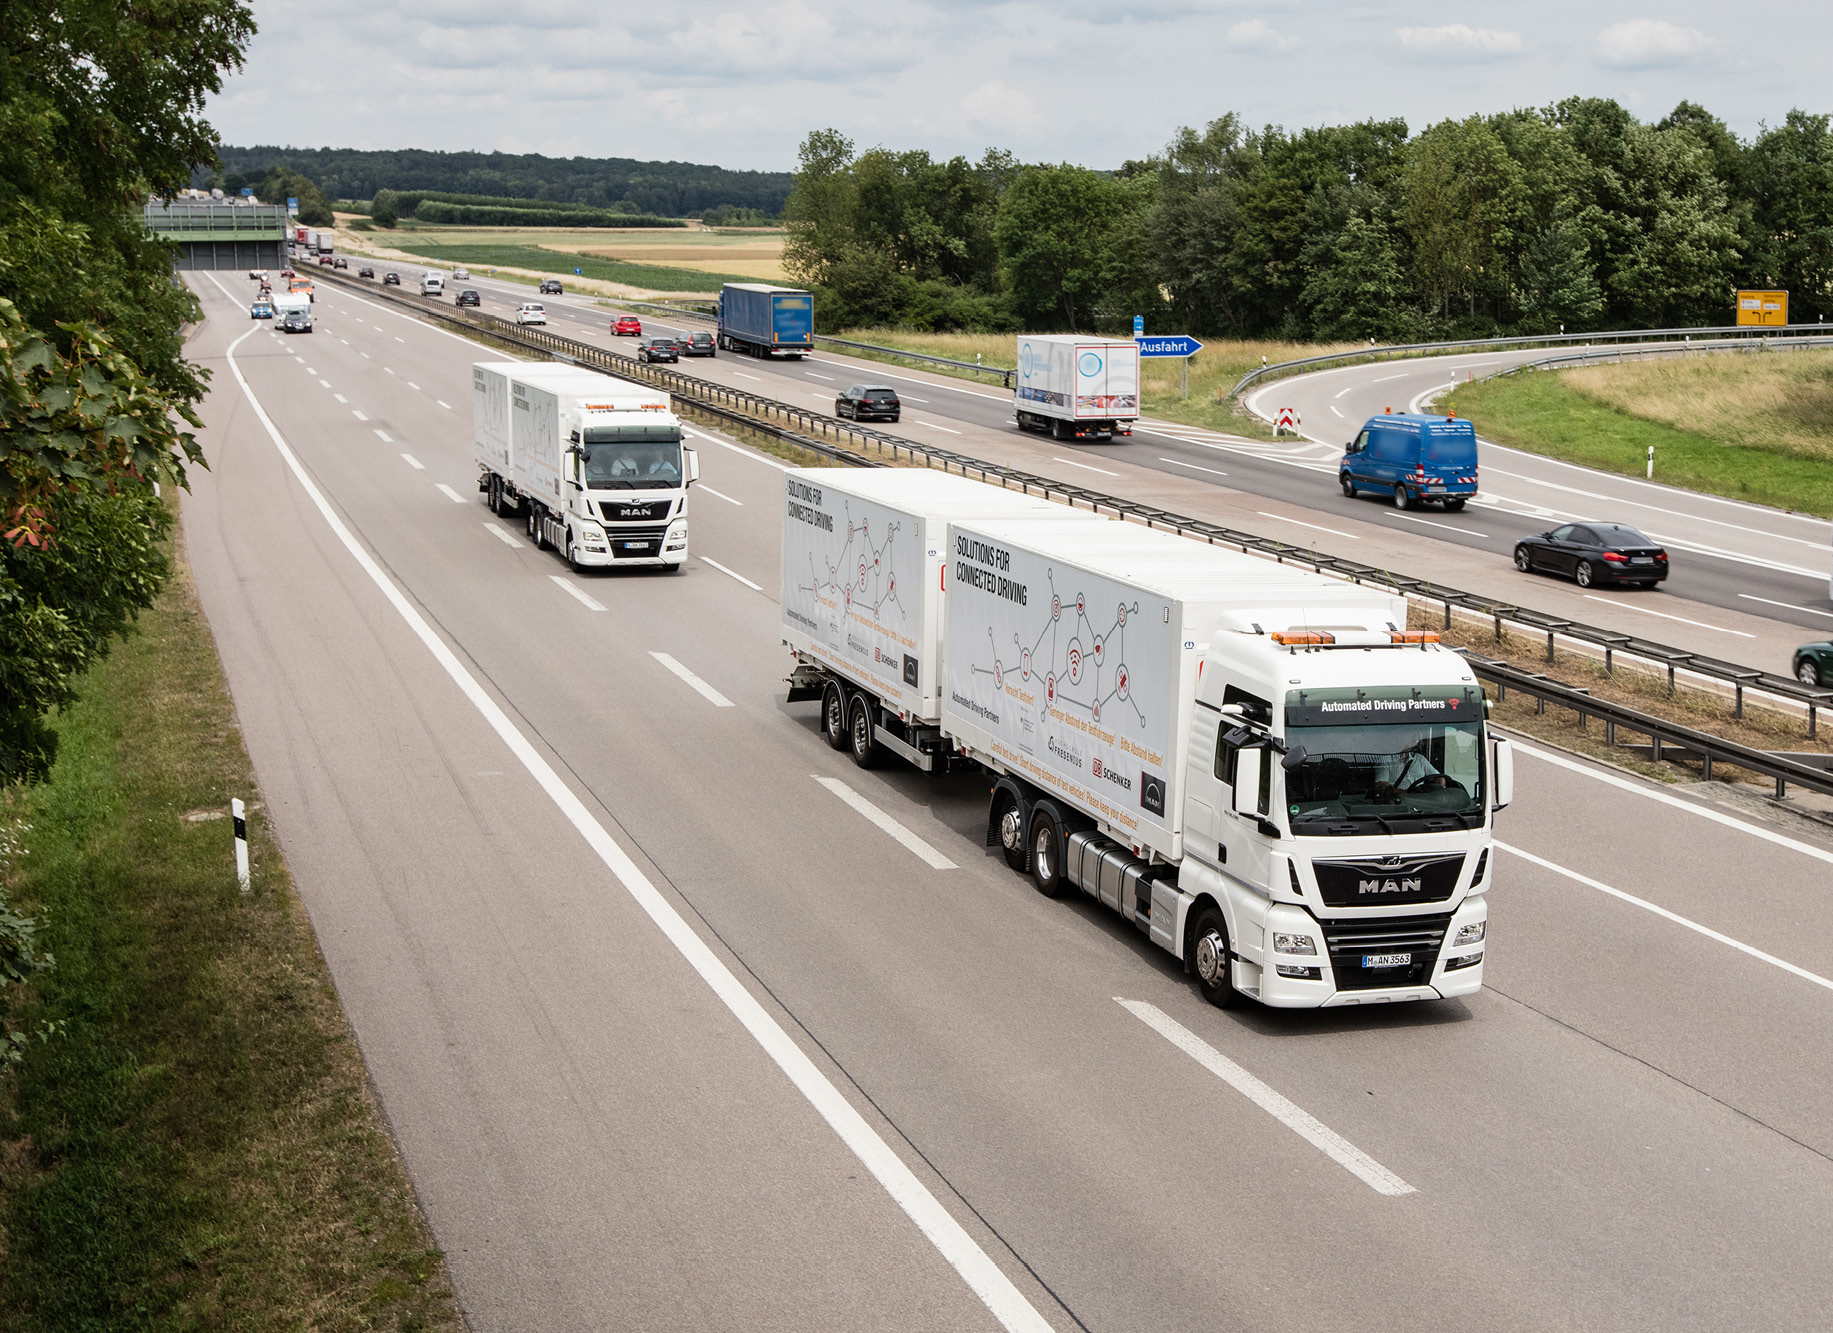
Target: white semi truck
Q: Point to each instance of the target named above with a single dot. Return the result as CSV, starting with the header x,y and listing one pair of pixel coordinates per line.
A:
x,y
594,465
1075,387
1262,768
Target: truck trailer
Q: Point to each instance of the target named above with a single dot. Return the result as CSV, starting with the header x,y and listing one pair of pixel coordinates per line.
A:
x,y
1260,767
1075,387
595,466
762,320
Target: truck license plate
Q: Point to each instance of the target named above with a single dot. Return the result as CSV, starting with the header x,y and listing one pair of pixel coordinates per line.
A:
x,y
1386,959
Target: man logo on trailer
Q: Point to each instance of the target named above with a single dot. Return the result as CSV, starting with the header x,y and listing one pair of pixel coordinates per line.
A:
x,y
1152,793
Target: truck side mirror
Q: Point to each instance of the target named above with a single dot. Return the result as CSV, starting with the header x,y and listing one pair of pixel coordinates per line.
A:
x,y
1503,767
693,466
1293,758
1246,799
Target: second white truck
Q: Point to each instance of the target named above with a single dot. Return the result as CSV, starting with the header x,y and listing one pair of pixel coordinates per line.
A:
x,y
1076,387
1261,768
595,466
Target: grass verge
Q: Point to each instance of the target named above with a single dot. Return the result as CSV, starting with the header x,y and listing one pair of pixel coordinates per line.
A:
x,y
199,1149
1755,427
650,276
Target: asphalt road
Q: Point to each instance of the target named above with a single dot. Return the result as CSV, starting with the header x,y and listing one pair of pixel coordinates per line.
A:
x,y
532,849
1746,582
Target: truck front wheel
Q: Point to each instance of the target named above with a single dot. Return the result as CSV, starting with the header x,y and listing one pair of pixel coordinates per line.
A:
x,y
1009,828
1209,955
833,717
1047,855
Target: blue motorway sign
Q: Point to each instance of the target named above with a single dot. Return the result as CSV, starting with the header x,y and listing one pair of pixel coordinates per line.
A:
x,y
292,205
1175,344
1139,326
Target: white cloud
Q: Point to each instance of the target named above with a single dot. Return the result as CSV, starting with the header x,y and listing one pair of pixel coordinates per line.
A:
x,y
1461,39
1649,44
1000,109
1259,35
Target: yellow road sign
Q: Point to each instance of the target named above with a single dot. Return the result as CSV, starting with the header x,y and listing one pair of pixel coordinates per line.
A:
x,y
1767,308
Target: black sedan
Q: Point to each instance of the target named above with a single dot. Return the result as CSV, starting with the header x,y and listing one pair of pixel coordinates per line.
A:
x,y
698,344
865,402
468,296
391,279
1594,553
550,287
365,273
1814,663
658,349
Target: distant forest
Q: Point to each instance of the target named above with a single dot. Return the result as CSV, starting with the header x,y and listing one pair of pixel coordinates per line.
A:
x,y
615,184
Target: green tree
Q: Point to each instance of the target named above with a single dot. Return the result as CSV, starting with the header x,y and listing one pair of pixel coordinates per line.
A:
x,y
818,214
383,209
1559,288
279,185
1056,232
1357,286
1791,182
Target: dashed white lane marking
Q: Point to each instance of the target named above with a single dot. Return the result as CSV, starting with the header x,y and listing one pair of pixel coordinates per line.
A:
x,y
1790,606
496,532
1178,462
411,461
950,429
358,415
694,682
733,573
1350,389
1469,532
340,398
572,589
1301,523
383,436
720,495
325,382
922,850
1385,378
399,338
1294,1117
449,492
811,374
1699,624
1086,467
741,374
389,370
413,386
446,405
1333,408
910,399
1675,917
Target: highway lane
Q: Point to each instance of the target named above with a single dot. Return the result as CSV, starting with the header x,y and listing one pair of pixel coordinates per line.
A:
x,y
1629,1126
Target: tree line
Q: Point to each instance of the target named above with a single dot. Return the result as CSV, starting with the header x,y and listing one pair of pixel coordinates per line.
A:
x,y
612,184
480,210
1574,215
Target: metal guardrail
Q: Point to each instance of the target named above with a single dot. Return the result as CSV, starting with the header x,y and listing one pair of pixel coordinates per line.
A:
x,y
1390,351
758,412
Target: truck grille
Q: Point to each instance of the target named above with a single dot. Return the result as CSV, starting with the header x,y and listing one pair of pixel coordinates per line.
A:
x,y
1350,941
636,543
632,511
1387,881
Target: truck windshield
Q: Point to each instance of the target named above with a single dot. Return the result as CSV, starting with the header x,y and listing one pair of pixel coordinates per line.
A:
x,y
628,458
1372,756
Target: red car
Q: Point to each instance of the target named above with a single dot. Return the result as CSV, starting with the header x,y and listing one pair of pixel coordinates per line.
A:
x,y
628,326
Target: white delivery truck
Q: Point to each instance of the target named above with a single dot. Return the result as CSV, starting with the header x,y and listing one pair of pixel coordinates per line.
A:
x,y
1260,767
1075,387
595,465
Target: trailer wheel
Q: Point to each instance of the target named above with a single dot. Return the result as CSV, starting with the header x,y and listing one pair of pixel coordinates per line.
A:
x,y
833,717
1209,954
1046,855
861,744
1009,826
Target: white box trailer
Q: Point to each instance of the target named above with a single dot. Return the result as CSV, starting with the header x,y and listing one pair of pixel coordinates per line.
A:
x,y
1261,767
1073,386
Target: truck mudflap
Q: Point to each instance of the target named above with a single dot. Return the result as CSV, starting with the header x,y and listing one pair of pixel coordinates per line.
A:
x,y
806,684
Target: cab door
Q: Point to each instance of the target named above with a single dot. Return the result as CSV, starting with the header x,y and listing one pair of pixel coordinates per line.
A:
x,y
1205,795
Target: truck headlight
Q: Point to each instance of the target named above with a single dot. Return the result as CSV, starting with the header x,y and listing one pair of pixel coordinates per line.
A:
x,y
1470,934
1283,943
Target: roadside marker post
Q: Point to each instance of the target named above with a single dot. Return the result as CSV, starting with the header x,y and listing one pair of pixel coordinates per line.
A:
x,y
1651,462
240,816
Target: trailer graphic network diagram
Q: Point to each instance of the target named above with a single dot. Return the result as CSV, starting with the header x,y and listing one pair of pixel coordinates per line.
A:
x,y
1085,670
873,582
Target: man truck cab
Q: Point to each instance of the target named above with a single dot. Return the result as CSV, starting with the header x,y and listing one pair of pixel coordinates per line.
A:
x,y
1411,458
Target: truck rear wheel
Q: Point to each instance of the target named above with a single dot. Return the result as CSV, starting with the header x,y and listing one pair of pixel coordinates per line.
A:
x,y
1209,955
1402,500
1046,855
833,717
861,743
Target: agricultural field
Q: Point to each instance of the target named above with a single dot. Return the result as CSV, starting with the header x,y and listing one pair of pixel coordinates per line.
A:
x,y
748,255
1752,426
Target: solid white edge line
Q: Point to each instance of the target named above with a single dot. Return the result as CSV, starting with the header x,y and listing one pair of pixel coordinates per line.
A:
x,y
1786,605
1675,917
1301,523
952,431
976,1267
732,574
1294,1117
573,590
698,685
1468,532
922,850
1656,794
739,449
1175,462
1086,467
1631,606
721,495
450,494
502,536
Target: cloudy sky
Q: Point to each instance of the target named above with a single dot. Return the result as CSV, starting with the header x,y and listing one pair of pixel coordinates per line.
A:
x,y
1089,81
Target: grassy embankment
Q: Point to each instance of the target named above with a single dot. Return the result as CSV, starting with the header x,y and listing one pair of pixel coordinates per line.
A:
x,y
1213,371
479,255
199,1149
1752,426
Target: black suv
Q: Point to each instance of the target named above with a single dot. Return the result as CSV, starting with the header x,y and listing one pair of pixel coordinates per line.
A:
x,y
468,297
551,287
698,344
365,273
658,349
868,402
391,279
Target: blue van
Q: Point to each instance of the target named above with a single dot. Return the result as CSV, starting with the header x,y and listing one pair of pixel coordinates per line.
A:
x,y
1411,458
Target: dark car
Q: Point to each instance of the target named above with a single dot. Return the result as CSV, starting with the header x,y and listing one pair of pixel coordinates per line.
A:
x,y
658,349
365,273
391,279
865,402
1814,663
468,296
551,287
698,344
296,321
1594,553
